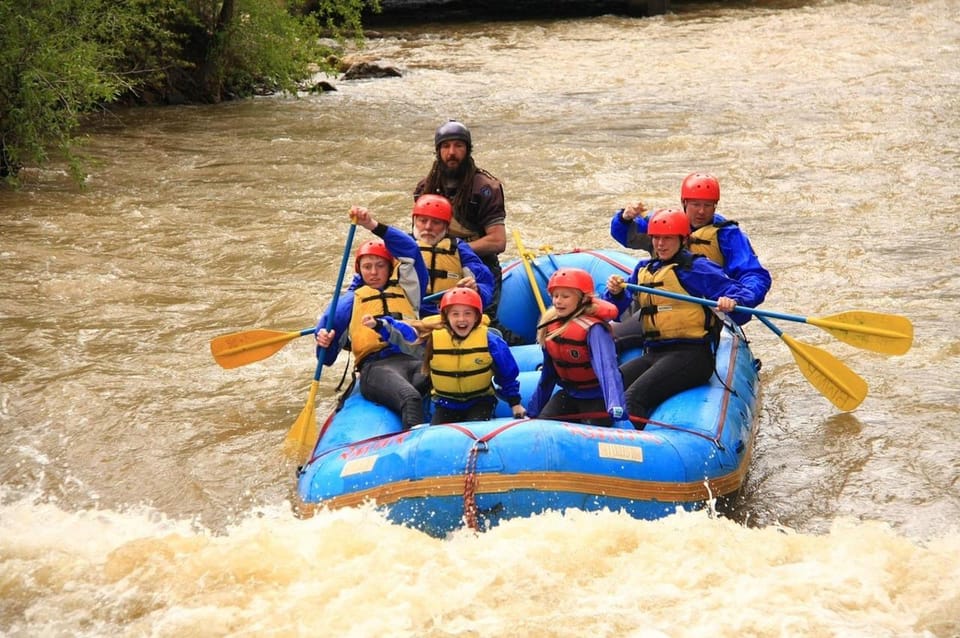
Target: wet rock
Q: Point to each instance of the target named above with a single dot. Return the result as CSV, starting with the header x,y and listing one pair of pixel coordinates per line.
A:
x,y
363,70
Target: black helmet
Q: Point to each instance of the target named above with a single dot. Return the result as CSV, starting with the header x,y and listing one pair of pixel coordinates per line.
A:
x,y
452,130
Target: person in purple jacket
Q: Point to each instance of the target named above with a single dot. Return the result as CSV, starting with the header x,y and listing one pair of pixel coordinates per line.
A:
x,y
578,355
679,337
719,239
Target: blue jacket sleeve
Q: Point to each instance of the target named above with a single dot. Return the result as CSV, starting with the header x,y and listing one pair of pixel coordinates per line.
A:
x,y
505,369
603,360
632,234
471,262
400,336
740,262
544,390
355,283
619,228
341,323
390,327
412,271
706,279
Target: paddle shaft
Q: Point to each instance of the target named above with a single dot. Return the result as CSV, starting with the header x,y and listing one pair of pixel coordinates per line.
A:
x,y
332,311
824,323
838,383
530,275
303,433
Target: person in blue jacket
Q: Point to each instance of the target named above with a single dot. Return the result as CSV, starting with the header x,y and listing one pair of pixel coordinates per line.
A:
x,y
469,364
450,261
390,281
679,337
579,354
719,239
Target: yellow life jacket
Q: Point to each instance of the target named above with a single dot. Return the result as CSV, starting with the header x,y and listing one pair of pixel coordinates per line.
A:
x,y
461,369
458,230
443,263
664,318
370,301
703,241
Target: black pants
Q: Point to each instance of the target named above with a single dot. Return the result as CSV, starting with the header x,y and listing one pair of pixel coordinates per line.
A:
x,y
397,382
663,372
482,410
562,404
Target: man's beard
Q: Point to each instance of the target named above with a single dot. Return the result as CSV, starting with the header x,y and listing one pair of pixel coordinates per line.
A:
x,y
421,237
456,172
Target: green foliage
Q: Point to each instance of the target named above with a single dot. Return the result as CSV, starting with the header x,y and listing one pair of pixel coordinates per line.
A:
x,y
154,44
61,59
342,18
56,63
264,47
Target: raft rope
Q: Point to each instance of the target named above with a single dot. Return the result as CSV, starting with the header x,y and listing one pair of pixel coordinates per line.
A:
x,y
471,513
470,509
737,331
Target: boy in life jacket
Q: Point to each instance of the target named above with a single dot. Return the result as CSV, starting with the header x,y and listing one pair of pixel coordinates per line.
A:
x,y
711,235
466,360
390,282
678,336
450,261
578,354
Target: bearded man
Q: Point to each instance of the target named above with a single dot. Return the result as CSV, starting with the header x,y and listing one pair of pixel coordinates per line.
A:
x,y
479,216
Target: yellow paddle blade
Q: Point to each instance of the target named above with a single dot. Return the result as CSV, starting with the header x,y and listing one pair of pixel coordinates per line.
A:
x,y
838,383
240,348
874,331
303,434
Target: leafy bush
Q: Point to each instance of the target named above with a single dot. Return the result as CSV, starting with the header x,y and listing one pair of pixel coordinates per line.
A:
x,y
62,59
263,47
56,63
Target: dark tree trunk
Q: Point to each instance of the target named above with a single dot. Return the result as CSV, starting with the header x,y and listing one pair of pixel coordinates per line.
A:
x,y
212,76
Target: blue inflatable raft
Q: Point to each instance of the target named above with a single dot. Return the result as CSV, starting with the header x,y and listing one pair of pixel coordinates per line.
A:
x,y
439,478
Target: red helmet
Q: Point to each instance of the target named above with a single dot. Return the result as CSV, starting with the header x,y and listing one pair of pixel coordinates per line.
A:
x,y
435,206
374,247
577,278
700,186
464,296
668,221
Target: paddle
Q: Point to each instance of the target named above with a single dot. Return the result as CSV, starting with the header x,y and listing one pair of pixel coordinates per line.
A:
x,y
838,383
874,331
303,434
524,257
240,348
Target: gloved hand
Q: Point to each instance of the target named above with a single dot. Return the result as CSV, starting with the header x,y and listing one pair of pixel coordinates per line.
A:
x,y
616,413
